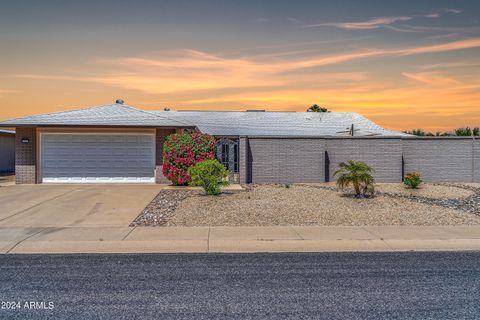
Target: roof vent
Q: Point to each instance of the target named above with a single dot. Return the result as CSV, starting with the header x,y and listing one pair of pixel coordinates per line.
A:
x,y
166,109
119,101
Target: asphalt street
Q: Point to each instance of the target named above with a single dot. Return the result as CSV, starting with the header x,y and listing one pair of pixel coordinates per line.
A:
x,y
242,286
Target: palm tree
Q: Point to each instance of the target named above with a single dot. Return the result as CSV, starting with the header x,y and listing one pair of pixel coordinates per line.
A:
x,y
359,175
317,108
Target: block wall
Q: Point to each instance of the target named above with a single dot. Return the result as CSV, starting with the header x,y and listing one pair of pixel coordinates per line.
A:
x,y
287,160
383,155
440,160
25,156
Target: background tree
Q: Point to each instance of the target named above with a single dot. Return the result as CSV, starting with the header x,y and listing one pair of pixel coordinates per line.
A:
x,y
460,132
419,132
463,132
317,108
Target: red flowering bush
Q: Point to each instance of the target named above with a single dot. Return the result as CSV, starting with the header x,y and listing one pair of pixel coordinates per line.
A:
x,y
183,150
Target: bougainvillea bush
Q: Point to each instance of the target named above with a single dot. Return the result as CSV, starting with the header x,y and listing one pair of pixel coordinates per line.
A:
x,y
183,150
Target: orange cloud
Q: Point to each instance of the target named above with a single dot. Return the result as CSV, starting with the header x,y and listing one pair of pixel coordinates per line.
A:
x,y
363,25
432,78
191,79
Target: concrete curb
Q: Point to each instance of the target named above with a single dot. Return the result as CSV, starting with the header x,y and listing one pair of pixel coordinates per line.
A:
x,y
237,239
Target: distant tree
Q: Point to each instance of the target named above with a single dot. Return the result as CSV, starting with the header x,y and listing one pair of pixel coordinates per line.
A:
x,y
417,132
463,132
443,134
422,133
460,132
467,131
317,108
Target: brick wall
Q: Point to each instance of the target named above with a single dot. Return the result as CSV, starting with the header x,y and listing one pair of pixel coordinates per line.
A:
x,y
287,160
25,156
384,155
160,136
439,160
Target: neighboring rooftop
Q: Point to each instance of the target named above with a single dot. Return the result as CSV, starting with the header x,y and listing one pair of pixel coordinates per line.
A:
x,y
213,122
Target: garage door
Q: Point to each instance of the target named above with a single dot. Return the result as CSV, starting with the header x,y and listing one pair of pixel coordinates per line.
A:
x,y
97,158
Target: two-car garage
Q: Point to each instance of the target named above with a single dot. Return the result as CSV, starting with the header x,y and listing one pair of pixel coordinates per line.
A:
x,y
80,157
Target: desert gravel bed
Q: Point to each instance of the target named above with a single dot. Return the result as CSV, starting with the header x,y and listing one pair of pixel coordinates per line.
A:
x,y
306,205
161,209
457,200
433,191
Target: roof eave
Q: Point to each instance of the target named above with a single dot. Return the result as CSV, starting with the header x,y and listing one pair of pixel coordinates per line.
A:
x,y
23,125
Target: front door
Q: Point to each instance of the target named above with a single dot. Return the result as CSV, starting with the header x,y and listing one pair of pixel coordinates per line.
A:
x,y
227,154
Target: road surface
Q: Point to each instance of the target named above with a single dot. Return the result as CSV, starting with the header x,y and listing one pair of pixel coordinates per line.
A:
x,y
242,286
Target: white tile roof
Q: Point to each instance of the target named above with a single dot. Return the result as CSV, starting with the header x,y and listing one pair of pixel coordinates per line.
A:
x,y
213,122
105,115
280,123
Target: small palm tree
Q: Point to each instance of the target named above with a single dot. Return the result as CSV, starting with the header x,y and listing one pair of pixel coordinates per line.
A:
x,y
359,175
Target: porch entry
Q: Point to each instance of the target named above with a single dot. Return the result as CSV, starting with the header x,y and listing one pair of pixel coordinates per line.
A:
x,y
227,154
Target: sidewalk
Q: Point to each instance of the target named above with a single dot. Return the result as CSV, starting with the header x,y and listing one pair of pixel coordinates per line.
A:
x,y
236,239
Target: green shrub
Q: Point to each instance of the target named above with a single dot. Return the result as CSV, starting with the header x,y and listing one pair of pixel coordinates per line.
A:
x,y
359,175
209,175
412,180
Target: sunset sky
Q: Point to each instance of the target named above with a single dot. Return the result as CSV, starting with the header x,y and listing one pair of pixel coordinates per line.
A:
x,y
403,64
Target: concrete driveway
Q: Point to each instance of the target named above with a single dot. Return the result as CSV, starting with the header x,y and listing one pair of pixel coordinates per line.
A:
x,y
73,205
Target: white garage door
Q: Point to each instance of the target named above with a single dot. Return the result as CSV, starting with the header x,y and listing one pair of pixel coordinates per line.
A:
x,y
97,158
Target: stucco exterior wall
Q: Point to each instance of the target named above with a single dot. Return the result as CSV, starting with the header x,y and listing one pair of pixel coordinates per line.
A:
x,y
384,155
439,160
25,156
279,160
7,152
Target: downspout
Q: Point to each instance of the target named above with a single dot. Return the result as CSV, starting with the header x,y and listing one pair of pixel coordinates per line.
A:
x,y
327,167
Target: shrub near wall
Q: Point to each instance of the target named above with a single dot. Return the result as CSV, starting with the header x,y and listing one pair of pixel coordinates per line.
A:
x,y
183,150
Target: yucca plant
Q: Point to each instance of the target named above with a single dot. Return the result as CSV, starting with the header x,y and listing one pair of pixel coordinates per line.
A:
x,y
359,175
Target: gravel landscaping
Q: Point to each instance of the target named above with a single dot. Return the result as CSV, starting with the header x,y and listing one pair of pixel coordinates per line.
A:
x,y
427,190
317,204
161,209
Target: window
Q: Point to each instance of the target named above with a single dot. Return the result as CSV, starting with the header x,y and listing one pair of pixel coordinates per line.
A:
x,y
235,158
225,158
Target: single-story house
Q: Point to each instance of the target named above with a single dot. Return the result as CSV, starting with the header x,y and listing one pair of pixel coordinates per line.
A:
x,y
7,151
117,143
